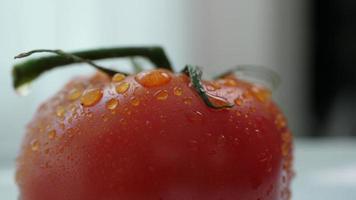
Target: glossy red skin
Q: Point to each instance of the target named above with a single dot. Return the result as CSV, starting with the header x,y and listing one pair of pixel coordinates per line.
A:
x,y
166,149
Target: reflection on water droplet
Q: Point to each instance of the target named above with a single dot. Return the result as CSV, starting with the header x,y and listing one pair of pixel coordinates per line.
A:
x,y
153,78
218,101
238,113
112,104
91,97
187,100
230,82
52,134
74,94
238,101
280,121
177,91
161,95
118,77
195,116
60,111
262,94
35,145
135,101
122,87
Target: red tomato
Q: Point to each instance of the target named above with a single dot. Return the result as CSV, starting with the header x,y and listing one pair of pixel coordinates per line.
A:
x,y
150,136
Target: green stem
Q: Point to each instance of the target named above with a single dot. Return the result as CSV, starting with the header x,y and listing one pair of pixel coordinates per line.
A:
x,y
27,71
195,75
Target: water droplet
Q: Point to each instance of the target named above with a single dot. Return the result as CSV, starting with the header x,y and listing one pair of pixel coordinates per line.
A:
x,y
135,101
161,95
122,87
91,97
236,141
238,113
46,151
52,134
247,95
212,86
62,126
262,94
35,145
112,104
177,91
238,101
187,100
195,116
217,101
74,94
230,82
118,77
280,121
153,78
60,111
105,118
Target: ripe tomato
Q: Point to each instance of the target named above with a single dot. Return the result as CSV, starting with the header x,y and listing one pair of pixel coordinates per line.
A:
x,y
151,136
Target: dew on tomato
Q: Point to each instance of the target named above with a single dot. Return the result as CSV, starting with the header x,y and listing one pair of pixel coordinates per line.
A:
x,y
112,104
153,78
35,145
161,95
52,134
118,77
91,97
134,101
122,87
157,135
177,91
74,94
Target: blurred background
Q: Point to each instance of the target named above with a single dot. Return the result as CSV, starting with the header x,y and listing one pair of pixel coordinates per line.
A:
x,y
311,44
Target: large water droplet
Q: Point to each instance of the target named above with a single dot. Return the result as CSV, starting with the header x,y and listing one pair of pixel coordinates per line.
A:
x,y
153,78
91,97
217,101
122,87
118,77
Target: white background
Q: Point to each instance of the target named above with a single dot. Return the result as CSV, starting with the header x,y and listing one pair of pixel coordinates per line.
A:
x,y
214,34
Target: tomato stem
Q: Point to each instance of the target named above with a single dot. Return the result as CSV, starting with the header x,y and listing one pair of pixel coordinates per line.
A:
x,y
27,71
195,75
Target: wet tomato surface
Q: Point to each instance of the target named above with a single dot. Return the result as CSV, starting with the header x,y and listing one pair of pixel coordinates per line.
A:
x,y
150,136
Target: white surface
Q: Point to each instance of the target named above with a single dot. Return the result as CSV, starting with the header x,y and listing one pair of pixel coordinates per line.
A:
x,y
326,170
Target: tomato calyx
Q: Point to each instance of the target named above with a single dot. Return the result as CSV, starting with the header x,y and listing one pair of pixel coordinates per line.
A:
x,y
25,72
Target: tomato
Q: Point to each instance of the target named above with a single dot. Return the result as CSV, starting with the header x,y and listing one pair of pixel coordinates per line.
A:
x,y
151,136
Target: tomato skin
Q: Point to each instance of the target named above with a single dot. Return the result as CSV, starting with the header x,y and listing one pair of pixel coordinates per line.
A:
x,y
170,148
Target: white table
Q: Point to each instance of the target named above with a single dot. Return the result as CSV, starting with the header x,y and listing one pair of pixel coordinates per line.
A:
x,y
326,170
